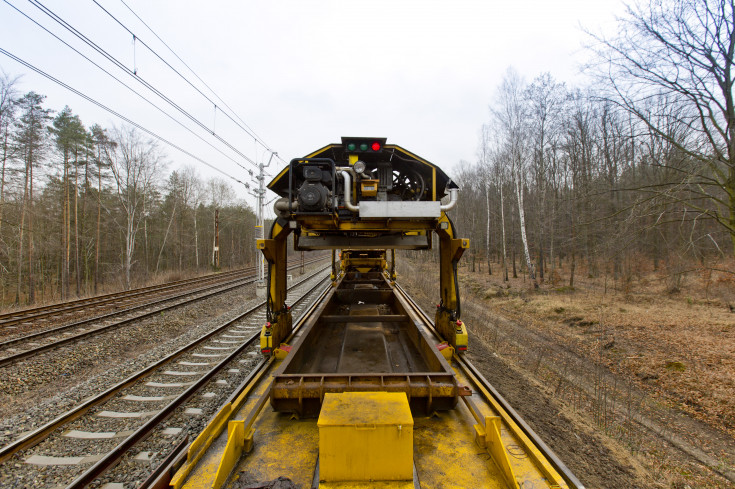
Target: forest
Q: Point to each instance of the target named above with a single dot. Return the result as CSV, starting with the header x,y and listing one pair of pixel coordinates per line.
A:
x,y
633,172
90,209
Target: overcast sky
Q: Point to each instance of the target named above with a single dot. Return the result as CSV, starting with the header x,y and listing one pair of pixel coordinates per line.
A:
x,y
303,73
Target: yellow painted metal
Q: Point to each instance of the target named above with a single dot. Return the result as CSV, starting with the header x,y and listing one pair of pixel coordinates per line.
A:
x,y
368,485
447,351
488,437
529,448
447,322
234,448
445,451
365,436
201,444
369,188
274,250
352,159
281,353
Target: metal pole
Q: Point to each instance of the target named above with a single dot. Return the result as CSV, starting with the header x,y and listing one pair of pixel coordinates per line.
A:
x,y
260,217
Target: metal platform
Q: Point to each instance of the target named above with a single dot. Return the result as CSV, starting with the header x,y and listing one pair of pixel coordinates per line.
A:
x,y
363,340
479,442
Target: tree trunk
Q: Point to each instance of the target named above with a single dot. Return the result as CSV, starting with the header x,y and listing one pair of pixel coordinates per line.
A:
x,y
31,284
20,237
196,239
129,244
522,219
165,236
502,225
145,237
2,177
487,238
99,219
64,231
76,226
85,259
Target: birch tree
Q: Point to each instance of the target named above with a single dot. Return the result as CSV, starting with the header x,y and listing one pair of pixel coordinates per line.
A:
x,y
134,163
509,113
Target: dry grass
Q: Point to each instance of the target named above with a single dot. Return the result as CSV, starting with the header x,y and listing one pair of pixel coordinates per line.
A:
x,y
620,354
678,345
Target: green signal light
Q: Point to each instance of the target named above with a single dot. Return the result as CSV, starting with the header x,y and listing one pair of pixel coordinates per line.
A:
x,y
351,147
363,147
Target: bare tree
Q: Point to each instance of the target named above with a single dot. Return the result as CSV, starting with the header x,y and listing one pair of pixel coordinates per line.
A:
x,y
31,139
134,163
510,115
8,105
682,50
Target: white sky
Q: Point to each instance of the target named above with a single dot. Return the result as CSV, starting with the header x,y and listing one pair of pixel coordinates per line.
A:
x,y
303,73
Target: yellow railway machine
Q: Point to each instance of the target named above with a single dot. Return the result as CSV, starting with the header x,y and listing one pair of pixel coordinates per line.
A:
x,y
366,390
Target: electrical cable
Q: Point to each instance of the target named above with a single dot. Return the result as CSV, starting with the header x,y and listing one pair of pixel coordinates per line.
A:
x,y
117,114
249,130
123,83
120,65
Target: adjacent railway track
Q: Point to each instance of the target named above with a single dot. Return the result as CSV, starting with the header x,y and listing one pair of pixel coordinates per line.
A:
x,y
103,429
112,300
18,348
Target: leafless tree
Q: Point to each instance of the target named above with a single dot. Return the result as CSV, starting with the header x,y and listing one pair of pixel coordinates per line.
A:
x,y
681,51
134,163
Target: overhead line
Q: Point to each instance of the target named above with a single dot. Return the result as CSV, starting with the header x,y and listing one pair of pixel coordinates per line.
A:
x,y
115,61
117,114
262,142
246,128
126,85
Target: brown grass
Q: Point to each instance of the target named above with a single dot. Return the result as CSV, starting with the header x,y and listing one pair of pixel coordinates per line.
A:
x,y
673,335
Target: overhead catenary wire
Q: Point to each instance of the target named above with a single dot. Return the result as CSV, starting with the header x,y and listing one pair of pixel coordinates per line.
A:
x,y
262,142
242,124
122,66
126,85
117,114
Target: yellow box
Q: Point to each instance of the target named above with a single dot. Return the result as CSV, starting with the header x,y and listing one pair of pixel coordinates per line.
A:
x,y
369,188
365,436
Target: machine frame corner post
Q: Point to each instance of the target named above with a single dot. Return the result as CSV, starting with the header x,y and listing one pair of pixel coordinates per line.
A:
x,y
279,321
447,319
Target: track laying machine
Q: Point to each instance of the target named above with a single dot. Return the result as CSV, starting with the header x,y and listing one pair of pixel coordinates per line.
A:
x,y
366,390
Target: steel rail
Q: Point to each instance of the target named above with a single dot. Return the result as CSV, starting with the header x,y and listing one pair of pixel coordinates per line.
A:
x,y
113,457
33,438
40,312
162,475
15,317
480,380
220,288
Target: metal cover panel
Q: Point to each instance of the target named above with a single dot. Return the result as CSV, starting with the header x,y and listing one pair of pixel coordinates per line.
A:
x,y
346,242
400,209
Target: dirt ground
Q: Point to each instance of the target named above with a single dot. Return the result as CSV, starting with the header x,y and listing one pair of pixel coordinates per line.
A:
x,y
632,382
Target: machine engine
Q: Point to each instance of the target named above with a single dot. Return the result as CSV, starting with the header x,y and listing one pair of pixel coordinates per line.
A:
x,y
363,176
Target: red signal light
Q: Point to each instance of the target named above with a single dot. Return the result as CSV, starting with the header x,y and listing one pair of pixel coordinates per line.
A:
x,y
376,146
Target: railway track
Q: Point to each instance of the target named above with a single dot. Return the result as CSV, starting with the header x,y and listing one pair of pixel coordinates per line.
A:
x,y
484,389
18,348
107,301
251,398
156,407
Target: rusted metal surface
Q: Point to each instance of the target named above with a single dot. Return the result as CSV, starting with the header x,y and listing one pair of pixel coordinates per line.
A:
x,y
363,340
